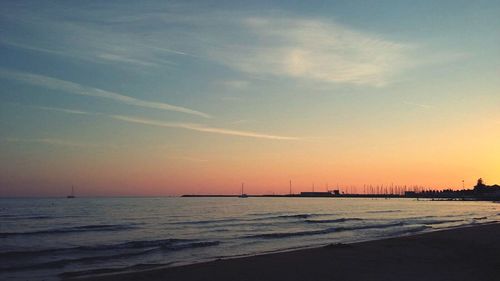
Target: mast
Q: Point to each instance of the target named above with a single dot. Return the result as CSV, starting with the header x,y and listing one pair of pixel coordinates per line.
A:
x,y
290,187
72,195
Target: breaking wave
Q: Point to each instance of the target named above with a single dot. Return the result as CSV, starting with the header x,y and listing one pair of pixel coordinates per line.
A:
x,y
322,231
83,228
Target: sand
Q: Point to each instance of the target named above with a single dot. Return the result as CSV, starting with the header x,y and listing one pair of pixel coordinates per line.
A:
x,y
471,253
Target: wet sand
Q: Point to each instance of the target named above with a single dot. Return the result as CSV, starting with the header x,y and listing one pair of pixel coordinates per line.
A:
x,y
471,253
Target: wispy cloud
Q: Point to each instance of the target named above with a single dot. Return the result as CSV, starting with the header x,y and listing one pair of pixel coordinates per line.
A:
x,y
100,55
78,89
314,49
121,58
65,110
240,121
274,44
234,84
90,34
201,128
71,111
56,142
424,106
31,47
177,125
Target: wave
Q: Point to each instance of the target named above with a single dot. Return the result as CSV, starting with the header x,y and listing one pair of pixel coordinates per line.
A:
x,y
242,221
193,245
322,231
432,222
410,230
333,220
204,221
292,216
18,254
383,211
64,262
290,234
371,226
20,217
7,215
146,243
300,216
164,244
83,228
147,247
288,216
37,218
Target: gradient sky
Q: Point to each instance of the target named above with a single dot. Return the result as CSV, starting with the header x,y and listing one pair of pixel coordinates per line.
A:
x,y
167,98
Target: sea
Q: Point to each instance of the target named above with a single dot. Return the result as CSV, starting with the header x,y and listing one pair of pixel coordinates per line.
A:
x,y
58,238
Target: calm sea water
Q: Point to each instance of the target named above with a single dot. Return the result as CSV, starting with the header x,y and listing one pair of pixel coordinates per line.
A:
x,y
40,239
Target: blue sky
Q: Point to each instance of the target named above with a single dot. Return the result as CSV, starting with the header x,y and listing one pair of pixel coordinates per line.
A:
x,y
83,77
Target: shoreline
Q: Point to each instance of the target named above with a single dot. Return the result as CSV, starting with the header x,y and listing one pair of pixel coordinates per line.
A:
x,y
478,197
462,253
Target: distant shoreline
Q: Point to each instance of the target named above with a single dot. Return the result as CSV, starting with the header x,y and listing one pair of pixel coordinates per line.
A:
x,y
379,196
467,253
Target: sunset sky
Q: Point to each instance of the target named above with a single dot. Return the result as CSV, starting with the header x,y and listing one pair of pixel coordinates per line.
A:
x,y
168,98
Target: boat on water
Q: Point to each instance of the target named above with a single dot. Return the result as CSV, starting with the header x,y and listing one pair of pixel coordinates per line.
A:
x,y
243,195
72,195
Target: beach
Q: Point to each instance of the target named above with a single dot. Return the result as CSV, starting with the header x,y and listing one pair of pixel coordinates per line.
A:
x,y
468,253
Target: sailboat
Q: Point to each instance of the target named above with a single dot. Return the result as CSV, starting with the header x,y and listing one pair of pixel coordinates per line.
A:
x,y
243,195
72,195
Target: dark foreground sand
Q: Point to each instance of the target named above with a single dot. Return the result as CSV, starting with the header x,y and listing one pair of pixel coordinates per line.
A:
x,y
471,254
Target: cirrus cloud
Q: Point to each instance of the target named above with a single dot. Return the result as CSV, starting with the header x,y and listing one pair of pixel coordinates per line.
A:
x,y
78,89
176,125
314,49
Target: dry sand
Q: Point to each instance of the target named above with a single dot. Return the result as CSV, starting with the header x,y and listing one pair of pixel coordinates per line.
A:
x,y
471,253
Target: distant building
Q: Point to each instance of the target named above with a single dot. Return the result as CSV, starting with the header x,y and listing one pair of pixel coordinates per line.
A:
x,y
316,194
410,194
483,188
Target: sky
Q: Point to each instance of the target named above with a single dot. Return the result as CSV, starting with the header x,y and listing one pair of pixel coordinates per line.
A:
x,y
147,98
